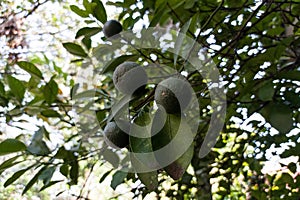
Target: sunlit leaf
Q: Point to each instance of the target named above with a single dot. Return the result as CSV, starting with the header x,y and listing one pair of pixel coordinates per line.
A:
x,y
75,49
87,31
16,87
99,11
78,11
50,113
31,69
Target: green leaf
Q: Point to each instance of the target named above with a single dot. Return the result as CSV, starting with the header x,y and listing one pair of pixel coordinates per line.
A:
x,y
50,184
64,170
89,7
142,156
50,113
87,42
47,174
119,107
37,145
75,49
2,90
78,11
111,157
9,163
50,91
266,92
14,177
17,87
31,69
280,116
110,66
74,172
87,31
85,94
11,146
104,176
172,142
33,180
117,179
163,10
292,167
290,75
74,90
293,98
284,179
100,12
179,40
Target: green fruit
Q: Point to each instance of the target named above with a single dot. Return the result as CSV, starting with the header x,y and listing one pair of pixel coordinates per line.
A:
x,y
173,94
111,28
116,137
128,77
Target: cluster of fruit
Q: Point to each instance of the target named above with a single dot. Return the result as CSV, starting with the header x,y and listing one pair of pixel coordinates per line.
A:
x,y
171,95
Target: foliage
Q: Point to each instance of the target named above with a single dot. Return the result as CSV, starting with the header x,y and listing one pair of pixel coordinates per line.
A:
x,y
254,45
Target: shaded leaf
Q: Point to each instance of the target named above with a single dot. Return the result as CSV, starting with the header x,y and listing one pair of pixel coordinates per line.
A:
x,y
110,66
50,91
2,90
64,170
47,174
111,157
50,184
280,116
179,40
142,156
163,10
38,146
74,172
266,92
290,75
172,142
117,179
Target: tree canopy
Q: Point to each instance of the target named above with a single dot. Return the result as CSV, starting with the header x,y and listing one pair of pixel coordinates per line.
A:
x,y
239,60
